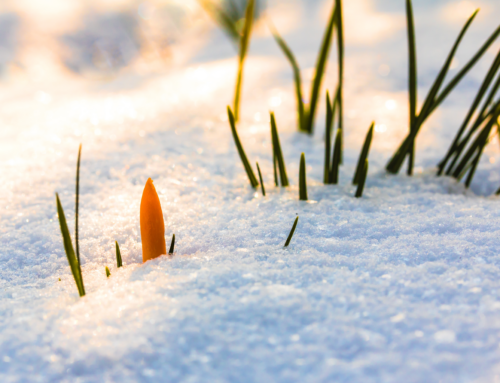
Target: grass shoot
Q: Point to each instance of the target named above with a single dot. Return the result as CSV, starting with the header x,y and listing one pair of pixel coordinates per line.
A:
x,y
241,151
244,43
172,245
334,170
118,255
261,180
288,240
277,153
362,179
108,273
363,156
302,179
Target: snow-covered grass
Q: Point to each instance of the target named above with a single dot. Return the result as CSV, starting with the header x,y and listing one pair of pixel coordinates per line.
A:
x,y
400,285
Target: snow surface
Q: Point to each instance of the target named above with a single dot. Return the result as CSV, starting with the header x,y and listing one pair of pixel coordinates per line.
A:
x,y
398,286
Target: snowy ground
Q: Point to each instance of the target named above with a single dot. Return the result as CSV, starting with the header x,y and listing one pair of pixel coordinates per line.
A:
x,y
399,286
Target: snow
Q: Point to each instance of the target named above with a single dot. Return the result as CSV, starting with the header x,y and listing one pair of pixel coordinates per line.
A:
x,y
398,286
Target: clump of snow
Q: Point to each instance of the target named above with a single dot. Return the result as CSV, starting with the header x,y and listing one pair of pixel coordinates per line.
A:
x,y
398,286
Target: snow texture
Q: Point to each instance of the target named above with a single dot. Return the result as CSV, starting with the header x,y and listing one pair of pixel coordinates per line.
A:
x,y
398,286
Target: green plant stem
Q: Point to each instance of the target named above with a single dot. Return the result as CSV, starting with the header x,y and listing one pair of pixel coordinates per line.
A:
x,y
302,179
261,181
172,245
340,57
334,171
277,152
412,78
77,203
118,255
363,156
362,179
290,236
108,273
328,139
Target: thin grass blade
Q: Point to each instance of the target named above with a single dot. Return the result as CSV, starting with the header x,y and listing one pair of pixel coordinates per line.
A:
x,y
241,151
362,179
222,18
334,171
302,179
328,139
363,155
412,78
290,236
77,203
320,70
275,168
119,262
277,152
296,76
68,248
172,245
261,180
108,273
244,43
340,58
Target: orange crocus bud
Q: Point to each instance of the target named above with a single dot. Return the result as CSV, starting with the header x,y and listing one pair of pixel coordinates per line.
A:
x,y
152,226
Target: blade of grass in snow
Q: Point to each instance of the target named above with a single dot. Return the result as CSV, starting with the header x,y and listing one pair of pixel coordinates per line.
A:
x,y
261,180
296,76
432,100
241,151
291,232
320,71
68,248
275,168
277,152
172,245
480,95
118,255
108,273
77,202
412,78
334,171
244,42
302,179
363,156
328,138
362,179
340,58
222,18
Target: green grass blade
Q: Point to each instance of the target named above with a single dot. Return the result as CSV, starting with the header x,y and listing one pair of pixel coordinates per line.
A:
x,y
275,167
277,152
334,171
241,151
108,273
68,248
296,76
119,262
77,203
328,138
320,71
363,156
442,96
340,58
291,232
261,181
412,78
172,245
472,110
362,179
302,179
244,43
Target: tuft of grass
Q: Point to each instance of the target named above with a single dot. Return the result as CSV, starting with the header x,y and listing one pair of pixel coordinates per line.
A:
x,y
434,98
261,180
172,245
108,273
68,248
302,179
241,151
363,156
458,143
244,43
334,171
291,232
362,179
118,255
307,113
277,153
